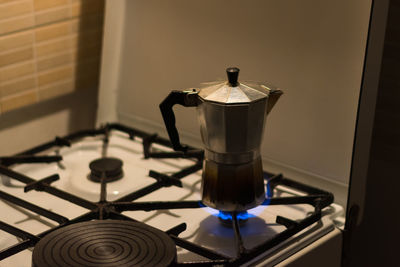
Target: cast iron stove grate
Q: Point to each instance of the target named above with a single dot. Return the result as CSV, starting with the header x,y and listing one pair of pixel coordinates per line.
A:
x,y
105,211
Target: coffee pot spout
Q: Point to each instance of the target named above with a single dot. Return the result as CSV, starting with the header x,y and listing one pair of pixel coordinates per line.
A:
x,y
273,97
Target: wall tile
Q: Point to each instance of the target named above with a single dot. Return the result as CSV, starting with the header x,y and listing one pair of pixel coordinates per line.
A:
x,y
57,89
54,61
87,7
88,38
15,56
52,47
87,74
52,15
18,86
16,8
19,101
56,75
87,23
48,48
16,40
87,66
52,31
6,1
16,71
15,24
87,51
87,82
45,4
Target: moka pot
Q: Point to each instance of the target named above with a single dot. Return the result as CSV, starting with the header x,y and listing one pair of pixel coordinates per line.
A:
x,y
232,117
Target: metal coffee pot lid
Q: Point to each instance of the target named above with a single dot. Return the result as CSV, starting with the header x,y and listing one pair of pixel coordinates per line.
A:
x,y
234,92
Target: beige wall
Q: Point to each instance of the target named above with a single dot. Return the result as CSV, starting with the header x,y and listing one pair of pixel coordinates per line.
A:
x,y
312,49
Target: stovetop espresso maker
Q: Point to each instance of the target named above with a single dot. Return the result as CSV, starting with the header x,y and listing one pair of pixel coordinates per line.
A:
x,y
231,117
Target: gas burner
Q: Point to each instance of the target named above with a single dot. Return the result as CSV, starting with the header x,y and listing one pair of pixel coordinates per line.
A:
x,y
226,218
111,168
105,243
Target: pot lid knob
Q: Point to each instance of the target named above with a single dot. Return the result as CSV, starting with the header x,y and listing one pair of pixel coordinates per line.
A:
x,y
233,74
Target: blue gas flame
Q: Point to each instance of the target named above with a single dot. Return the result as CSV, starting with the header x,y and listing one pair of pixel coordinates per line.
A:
x,y
268,194
246,214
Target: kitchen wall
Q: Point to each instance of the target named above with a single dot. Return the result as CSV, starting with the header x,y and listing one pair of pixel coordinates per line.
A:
x,y
49,68
312,49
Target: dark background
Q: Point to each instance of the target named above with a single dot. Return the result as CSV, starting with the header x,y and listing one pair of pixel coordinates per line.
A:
x,y
376,241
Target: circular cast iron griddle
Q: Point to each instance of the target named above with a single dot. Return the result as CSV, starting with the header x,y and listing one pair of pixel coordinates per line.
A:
x,y
105,243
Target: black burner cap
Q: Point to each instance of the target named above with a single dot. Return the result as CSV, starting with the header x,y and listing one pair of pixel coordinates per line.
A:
x,y
105,243
110,168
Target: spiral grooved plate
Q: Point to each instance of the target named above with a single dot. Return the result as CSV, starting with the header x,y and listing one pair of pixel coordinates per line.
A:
x,y
105,243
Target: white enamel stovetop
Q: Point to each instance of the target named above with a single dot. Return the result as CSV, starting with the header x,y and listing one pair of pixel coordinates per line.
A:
x,y
203,227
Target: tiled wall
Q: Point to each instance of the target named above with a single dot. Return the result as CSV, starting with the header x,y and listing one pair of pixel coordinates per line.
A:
x,y
48,48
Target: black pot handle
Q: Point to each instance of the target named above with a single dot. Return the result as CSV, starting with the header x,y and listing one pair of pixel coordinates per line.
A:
x,y
184,98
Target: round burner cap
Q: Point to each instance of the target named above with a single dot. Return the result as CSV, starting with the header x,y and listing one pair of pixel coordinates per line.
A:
x,y
105,243
110,168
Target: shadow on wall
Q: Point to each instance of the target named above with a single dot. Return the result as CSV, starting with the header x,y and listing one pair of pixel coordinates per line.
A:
x,y
76,92
80,105
88,55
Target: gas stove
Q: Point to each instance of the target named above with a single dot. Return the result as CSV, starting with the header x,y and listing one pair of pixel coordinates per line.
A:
x,y
118,196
